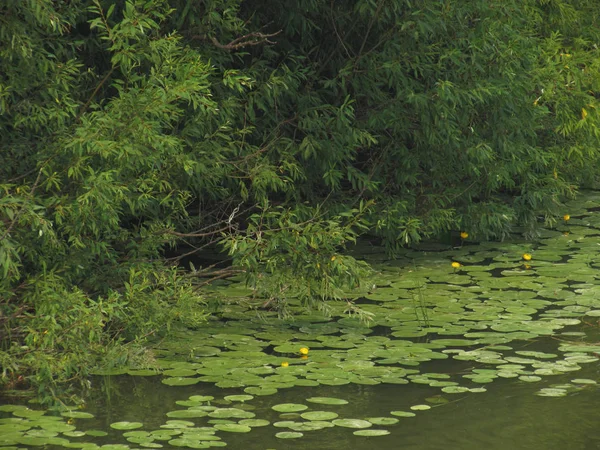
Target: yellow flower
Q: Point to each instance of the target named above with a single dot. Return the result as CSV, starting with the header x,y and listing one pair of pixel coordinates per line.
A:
x,y
464,235
285,364
526,256
333,258
526,266
304,351
304,357
455,264
566,217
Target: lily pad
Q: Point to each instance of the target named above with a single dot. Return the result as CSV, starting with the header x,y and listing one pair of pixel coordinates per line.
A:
x,y
371,433
289,435
233,427
319,415
327,400
289,407
126,425
352,423
77,414
180,381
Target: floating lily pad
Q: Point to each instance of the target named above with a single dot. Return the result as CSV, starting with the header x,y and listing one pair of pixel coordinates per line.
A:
x,y
126,425
352,423
77,414
180,381
226,413
319,415
371,433
289,407
233,427
254,422
289,435
383,420
402,413
239,398
420,407
187,414
327,400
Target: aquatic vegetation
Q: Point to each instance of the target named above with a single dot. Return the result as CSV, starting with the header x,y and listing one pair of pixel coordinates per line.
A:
x,y
487,319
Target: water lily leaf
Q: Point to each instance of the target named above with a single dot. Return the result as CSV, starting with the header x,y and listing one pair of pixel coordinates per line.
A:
x,y
420,407
289,435
254,422
233,427
126,425
530,378
383,420
187,414
289,407
77,414
189,443
179,372
28,413
455,389
371,433
352,423
402,413
583,381
552,392
319,415
239,398
327,400
226,413
260,390
96,433
201,398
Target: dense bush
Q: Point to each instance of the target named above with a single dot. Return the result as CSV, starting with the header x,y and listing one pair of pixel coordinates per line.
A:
x,y
279,131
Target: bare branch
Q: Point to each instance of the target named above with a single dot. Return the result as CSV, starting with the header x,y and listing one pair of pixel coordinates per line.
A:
x,y
250,39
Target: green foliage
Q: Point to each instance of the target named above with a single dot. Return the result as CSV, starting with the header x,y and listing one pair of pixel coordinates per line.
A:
x,y
277,131
295,253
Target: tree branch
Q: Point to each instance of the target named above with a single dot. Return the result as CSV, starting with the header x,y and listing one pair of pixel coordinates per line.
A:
x,y
250,39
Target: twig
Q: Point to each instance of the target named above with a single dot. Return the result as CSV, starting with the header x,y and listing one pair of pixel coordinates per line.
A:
x,y
250,39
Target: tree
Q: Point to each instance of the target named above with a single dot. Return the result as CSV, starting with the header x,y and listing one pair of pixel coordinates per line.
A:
x,y
279,132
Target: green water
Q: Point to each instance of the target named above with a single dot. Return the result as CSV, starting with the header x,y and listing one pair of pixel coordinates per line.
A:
x,y
502,352
508,416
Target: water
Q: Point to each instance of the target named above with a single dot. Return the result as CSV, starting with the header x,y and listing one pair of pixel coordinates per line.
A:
x,y
514,329
508,416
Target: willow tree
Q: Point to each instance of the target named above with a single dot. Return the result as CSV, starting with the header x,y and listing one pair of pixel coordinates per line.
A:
x,y
278,131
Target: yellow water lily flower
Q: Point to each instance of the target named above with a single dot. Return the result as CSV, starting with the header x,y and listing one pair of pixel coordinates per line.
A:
x,y
566,217
304,351
285,364
526,266
464,235
455,264
526,256
333,258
